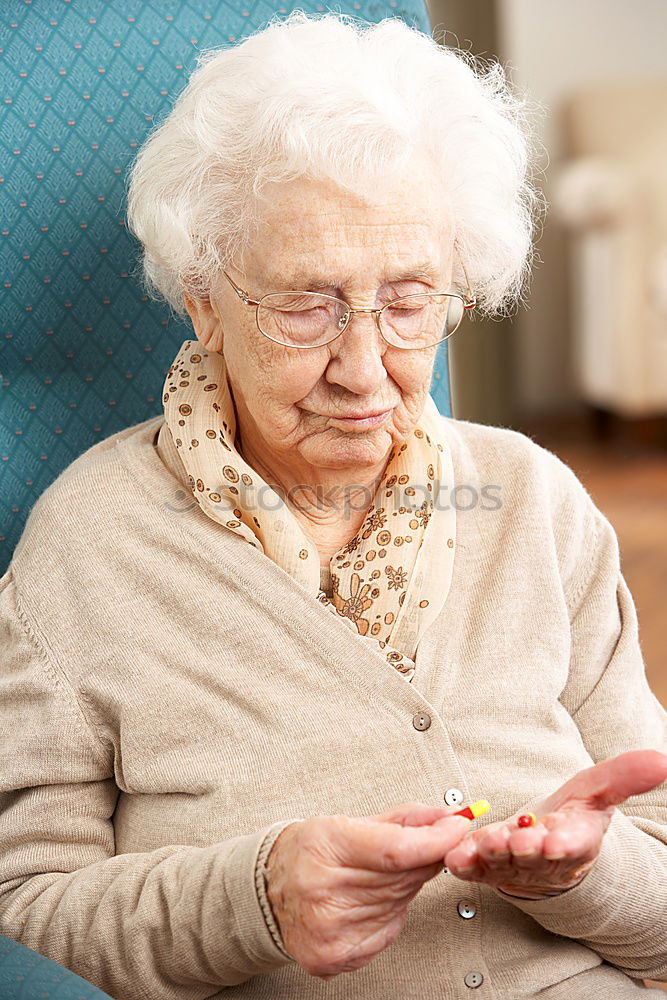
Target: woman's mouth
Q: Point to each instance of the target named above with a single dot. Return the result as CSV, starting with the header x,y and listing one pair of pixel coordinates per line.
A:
x,y
362,423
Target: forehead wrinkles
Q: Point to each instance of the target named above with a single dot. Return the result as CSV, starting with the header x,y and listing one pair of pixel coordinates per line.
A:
x,y
323,239
354,223
308,276
311,234
419,255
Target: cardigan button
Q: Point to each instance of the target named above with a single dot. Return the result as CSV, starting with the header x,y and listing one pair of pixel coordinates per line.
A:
x,y
473,980
453,796
421,721
466,909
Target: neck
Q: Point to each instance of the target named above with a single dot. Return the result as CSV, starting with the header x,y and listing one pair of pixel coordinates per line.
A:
x,y
330,507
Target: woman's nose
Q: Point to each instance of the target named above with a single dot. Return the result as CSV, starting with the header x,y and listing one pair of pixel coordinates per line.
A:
x,y
357,355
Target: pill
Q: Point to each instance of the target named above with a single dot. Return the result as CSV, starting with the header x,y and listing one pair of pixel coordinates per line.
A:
x,y
527,820
476,809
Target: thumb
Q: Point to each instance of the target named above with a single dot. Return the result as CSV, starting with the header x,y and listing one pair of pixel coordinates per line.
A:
x,y
411,814
611,782
382,846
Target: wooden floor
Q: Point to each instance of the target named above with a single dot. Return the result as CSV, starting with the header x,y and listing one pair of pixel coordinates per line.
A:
x,y
626,475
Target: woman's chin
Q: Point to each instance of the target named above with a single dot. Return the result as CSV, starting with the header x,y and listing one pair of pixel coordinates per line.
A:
x,y
342,449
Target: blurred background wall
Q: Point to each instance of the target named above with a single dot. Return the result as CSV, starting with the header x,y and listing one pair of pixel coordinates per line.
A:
x,y
526,368
555,49
583,368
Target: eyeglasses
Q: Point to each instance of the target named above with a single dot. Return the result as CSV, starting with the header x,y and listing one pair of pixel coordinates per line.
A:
x,y
306,320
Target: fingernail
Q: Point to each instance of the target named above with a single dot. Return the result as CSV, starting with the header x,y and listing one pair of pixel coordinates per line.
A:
x,y
555,857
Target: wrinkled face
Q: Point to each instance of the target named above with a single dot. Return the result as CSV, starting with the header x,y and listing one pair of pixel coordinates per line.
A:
x,y
316,237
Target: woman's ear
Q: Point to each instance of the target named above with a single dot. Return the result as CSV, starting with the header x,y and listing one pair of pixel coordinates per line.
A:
x,y
207,326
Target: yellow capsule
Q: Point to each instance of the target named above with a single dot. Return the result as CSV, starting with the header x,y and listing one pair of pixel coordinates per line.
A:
x,y
476,809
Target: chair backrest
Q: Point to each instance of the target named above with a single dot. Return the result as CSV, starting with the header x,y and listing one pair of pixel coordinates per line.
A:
x,y
83,351
25,974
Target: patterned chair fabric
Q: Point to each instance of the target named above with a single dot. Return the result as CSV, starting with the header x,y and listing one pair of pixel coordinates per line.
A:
x,y
83,352
27,975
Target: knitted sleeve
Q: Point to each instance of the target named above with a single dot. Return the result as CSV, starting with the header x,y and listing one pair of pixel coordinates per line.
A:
x,y
177,923
620,908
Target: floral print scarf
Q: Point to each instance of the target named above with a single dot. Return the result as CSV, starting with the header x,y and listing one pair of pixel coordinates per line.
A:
x,y
392,578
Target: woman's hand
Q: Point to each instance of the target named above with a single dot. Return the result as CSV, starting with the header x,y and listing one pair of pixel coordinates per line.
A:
x,y
559,851
339,887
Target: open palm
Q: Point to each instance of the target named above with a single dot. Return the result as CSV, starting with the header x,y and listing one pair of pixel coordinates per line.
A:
x,y
562,847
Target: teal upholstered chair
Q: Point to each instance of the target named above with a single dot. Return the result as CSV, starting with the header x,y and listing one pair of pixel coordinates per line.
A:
x,y
83,352
27,975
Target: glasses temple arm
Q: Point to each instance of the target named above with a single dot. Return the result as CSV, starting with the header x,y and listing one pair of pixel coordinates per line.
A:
x,y
472,301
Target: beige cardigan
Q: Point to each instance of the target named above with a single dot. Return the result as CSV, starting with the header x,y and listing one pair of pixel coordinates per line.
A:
x,y
170,699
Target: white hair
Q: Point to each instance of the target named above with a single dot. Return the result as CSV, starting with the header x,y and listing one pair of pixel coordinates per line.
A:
x,y
331,96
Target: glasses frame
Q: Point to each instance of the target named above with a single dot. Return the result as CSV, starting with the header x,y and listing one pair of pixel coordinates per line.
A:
x,y
469,303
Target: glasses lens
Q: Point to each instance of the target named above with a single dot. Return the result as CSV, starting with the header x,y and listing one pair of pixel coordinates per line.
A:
x,y
421,320
300,319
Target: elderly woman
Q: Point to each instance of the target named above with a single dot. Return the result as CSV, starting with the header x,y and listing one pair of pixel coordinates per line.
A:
x,y
236,729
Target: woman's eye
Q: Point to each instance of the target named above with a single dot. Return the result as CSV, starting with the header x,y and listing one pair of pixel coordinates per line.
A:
x,y
300,309
403,311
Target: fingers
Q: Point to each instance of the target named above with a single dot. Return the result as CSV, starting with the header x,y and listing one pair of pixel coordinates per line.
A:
x,y
569,836
550,855
573,836
387,846
465,858
612,781
494,849
412,814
